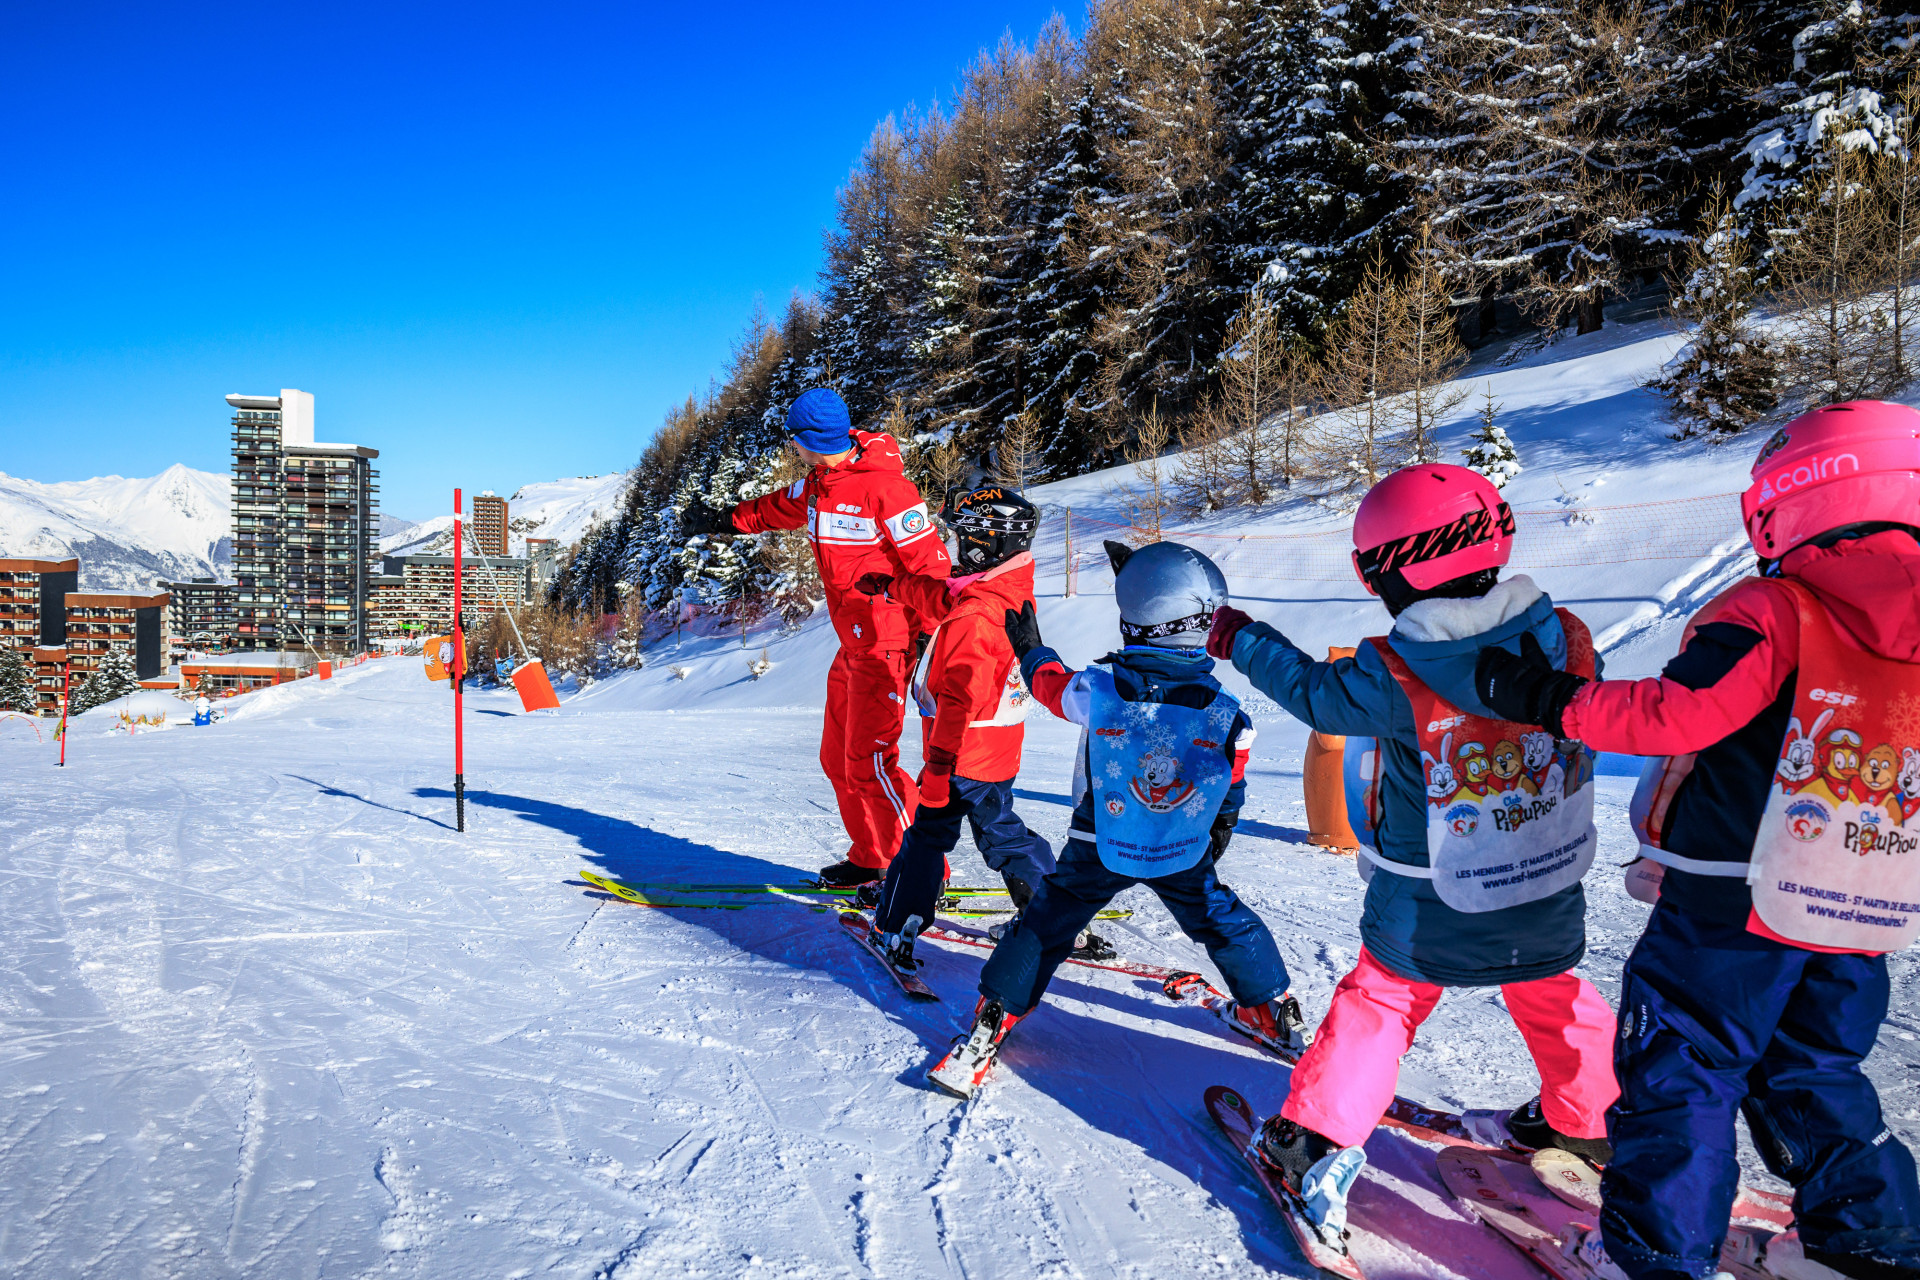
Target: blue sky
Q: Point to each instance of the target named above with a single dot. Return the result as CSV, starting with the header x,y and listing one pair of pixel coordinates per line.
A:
x,y
495,243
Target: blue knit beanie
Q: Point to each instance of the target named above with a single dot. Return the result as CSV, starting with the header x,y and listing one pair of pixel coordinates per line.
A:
x,y
818,421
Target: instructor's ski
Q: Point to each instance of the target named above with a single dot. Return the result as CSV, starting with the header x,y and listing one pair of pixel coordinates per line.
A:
x,y
968,906
1238,1123
860,930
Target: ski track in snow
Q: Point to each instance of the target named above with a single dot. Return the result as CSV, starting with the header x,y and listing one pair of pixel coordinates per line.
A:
x,y
264,1012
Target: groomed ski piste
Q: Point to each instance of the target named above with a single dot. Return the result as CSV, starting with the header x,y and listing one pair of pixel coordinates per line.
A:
x,y
265,1013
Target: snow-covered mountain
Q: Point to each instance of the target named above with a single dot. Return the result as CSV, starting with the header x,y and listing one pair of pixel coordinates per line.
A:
x,y
557,509
126,533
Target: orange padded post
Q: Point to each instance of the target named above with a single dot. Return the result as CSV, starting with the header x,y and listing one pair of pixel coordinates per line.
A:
x,y
1327,824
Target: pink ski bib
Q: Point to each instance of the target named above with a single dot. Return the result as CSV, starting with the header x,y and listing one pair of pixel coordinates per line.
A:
x,y
1836,863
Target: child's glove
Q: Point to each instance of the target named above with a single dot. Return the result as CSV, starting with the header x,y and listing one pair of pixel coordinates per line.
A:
x,y
1524,689
1217,839
697,518
1227,622
874,584
936,784
1023,631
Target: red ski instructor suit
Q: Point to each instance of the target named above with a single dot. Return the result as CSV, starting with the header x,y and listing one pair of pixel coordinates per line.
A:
x,y
863,516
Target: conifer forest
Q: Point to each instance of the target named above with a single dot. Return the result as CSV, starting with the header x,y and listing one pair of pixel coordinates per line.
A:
x,y
1267,233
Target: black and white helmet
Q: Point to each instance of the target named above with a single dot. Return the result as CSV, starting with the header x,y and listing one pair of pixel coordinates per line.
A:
x,y
1167,593
991,525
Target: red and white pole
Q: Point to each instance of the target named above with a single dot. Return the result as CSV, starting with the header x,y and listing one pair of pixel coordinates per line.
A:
x,y
459,679
66,697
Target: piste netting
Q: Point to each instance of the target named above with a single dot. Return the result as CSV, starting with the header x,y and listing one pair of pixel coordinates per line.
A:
x,y
1569,536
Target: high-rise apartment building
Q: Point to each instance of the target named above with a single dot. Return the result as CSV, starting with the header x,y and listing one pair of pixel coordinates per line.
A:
x,y
305,526
490,524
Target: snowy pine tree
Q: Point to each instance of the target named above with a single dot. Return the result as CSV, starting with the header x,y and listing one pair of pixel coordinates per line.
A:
x,y
1492,454
113,678
16,683
1727,374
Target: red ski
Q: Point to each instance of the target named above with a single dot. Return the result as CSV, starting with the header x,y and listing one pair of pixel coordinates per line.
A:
x,y
1238,1123
860,929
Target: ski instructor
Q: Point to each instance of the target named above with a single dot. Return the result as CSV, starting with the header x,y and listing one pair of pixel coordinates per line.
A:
x,y
862,516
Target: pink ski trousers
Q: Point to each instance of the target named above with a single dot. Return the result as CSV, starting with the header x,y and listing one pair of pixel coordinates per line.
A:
x,y
1347,1077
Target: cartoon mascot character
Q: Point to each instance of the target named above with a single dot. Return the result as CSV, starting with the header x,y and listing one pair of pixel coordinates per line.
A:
x,y
1159,785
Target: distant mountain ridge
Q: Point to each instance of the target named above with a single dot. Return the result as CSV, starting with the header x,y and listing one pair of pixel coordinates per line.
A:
x,y
129,533
126,532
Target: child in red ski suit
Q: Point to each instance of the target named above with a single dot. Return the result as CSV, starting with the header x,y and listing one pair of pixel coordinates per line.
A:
x,y
1457,801
1786,817
972,702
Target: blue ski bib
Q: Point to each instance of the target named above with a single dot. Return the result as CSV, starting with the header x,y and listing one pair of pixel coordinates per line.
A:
x,y
1159,775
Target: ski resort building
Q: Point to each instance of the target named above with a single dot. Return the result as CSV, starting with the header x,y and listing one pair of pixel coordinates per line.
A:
x,y
53,625
305,529
240,672
414,594
33,602
200,615
490,523
98,621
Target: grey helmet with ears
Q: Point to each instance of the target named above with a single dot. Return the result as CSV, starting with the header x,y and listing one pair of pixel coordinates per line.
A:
x,y
1167,593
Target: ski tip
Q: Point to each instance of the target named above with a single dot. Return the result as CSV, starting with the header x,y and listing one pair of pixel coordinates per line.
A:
x,y
1224,1098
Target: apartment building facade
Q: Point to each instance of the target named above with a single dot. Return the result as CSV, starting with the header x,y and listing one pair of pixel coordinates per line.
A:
x,y
489,525
413,595
306,524
200,615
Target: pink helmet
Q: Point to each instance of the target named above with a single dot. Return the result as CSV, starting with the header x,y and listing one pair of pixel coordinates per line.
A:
x,y
1434,523
1843,464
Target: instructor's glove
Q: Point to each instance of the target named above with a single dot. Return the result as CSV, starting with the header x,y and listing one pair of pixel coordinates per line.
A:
x,y
697,519
936,783
1524,689
1023,631
874,584
1227,622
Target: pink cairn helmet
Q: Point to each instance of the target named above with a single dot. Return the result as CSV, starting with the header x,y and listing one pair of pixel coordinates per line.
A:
x,y
1843,464
1433,522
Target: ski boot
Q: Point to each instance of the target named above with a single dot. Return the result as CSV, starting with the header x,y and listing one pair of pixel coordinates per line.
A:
x,y
846,874
1278,1024
867,896
1089,945
973,1054
1315,1170
1529,1127
898,947
1585,1248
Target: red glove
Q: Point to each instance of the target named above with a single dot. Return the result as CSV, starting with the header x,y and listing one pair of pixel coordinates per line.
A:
x,y
1227,622
936,777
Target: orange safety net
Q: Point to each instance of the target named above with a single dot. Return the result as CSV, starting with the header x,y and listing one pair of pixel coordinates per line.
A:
x,y
1561,537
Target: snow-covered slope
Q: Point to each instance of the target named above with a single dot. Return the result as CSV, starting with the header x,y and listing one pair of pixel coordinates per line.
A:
x,y
126,532
265,1012
557,509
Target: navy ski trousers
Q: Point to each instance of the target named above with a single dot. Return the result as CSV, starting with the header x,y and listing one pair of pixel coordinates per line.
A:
x,y
914,877
1018,971
1716,1021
